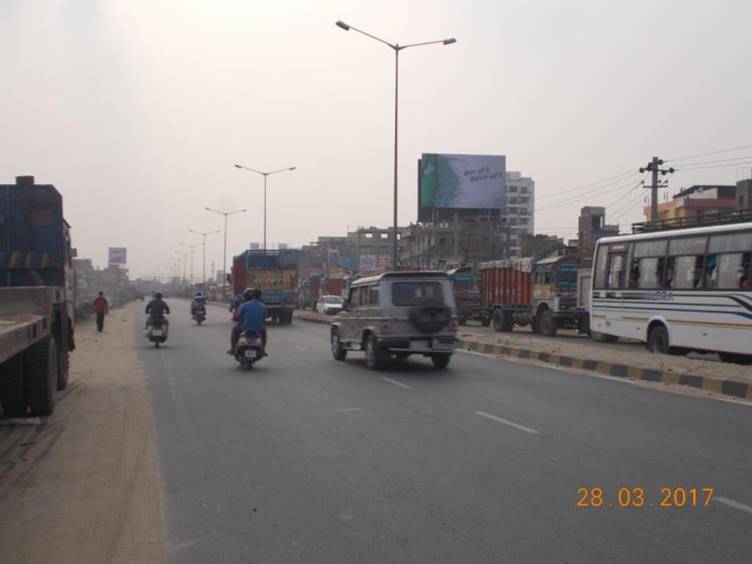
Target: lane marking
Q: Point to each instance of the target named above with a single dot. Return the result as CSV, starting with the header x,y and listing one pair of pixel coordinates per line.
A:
x,y
396,383
734,504
507,422
346,409
301,349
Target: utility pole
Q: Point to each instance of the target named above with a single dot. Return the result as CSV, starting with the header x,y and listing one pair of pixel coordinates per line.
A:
x,y
203,234
654,167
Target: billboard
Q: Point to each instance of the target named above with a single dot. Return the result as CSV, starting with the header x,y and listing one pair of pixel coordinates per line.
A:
x,y
375,262
116,256
471,182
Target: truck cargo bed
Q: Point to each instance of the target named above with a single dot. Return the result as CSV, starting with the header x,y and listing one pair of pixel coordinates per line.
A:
x,y
18,332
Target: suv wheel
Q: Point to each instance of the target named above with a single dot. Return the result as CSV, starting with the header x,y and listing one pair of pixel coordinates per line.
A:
x,y
441,360
339,352
375,358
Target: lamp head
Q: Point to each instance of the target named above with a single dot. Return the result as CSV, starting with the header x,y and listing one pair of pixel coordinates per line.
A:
x,y
343,25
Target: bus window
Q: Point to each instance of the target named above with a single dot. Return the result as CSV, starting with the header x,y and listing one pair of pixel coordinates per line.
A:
x,y
600,266
651,273
650,248
733,271
685,272
615,271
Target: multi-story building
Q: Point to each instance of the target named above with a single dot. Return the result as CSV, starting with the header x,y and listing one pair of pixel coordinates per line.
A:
x,y
519,215
592,226
696,201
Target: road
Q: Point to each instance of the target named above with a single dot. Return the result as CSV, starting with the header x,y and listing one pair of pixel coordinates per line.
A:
x,y
307,459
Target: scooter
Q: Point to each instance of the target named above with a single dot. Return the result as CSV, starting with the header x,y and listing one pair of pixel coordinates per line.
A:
x,y
157,331
199,313
248,349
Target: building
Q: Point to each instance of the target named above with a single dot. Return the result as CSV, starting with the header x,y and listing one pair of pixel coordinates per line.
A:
x,y
463,240
696,201
744,194
592,226
540,245
519,215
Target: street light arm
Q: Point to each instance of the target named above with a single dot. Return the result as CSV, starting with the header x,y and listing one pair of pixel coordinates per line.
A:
x,y
251,169
346,27
443,41
288,169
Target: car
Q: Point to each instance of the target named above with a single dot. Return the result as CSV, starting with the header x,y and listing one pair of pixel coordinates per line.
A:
x,y
330,305
395,315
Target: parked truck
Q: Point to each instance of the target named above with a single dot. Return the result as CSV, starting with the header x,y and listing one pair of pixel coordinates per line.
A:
x,y
466,289
542,294
275,273
332,285
37,284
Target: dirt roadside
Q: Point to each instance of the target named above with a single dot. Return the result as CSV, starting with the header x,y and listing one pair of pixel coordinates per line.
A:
x,y
84,484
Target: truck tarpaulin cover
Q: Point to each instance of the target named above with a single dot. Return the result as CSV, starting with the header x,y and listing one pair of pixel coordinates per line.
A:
x,y
462,181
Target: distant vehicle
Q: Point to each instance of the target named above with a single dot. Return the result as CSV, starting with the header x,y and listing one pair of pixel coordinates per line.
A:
x,y
199,313
397,314
37,283
541,294
677,290
309,290
275,273
248,349
330,305
466,289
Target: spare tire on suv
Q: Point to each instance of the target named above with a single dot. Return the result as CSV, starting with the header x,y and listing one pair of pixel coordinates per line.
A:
x,y
431,316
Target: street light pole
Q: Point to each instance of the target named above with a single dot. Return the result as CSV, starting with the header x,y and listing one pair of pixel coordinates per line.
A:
x,y
203,244
191,247
397,48
265,175
226,214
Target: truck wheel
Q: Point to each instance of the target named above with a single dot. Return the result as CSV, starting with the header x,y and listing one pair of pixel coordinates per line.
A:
x,y
547,323
503,321
441,360
375,358
41,380
339,352
63,371
12,394
485,321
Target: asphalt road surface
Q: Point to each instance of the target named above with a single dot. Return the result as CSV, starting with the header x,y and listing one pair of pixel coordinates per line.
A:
x,y
312,460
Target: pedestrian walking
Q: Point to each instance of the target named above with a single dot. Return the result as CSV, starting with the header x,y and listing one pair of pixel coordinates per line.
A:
x,y
101,308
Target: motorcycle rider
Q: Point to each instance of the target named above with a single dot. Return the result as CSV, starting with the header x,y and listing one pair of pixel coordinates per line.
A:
x,y
156,309
198,300
252,316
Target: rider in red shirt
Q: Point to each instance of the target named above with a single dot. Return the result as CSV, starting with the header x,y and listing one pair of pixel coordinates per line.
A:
x,y
101,308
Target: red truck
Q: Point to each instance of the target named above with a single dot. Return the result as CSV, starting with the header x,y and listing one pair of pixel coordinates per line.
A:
x,y
541,294
332,285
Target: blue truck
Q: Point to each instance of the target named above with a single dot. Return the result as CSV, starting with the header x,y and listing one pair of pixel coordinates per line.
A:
x,y
275,273
37,284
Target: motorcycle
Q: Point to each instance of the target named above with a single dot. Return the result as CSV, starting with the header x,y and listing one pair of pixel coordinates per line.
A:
x,y
157,331
248,349
199,313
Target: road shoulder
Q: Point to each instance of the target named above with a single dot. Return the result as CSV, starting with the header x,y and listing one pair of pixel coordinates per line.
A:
x,y
84,484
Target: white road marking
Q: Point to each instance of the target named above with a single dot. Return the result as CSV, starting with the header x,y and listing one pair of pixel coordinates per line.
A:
x,y
346,409
400,384
734,504
302,349
507,422
21,422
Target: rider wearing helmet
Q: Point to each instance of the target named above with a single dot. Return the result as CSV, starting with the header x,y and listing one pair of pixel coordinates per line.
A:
x,y
251,316
156,309
198,299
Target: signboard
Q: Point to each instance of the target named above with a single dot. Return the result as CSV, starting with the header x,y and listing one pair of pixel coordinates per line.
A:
x,y
477,182
116,256
375,262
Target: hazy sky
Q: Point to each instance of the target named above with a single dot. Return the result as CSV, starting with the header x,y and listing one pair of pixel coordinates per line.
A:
x,y
137,109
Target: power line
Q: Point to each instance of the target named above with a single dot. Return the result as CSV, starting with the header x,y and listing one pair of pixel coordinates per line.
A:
x,y
615,178
716,161
584,196
729,165
739,148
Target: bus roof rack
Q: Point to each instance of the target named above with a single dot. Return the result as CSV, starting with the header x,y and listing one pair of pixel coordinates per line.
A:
x,y
703,220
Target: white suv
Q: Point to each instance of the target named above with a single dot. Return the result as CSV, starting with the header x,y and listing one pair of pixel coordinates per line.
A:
x,y
397,314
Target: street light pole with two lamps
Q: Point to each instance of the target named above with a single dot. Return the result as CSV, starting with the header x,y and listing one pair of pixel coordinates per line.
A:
x,y
265,175
397,48
204,234
224,252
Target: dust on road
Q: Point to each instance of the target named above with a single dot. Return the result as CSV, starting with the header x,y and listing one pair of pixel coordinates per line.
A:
x,y
84,484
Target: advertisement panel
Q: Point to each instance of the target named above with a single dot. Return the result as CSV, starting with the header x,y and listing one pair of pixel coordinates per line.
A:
x,y
375,262
461,182
116,256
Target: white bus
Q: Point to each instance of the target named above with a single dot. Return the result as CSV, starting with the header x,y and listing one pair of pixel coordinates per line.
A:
x,y
678,290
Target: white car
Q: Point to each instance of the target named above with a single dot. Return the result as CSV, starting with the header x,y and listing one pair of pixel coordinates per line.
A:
x,y
330,305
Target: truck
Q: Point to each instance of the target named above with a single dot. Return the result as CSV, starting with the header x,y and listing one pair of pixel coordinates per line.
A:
x,y
542,294
332,285
466,289
275,273
37,285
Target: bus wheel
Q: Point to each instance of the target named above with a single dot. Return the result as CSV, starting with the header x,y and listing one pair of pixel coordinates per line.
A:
x,y
658,340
